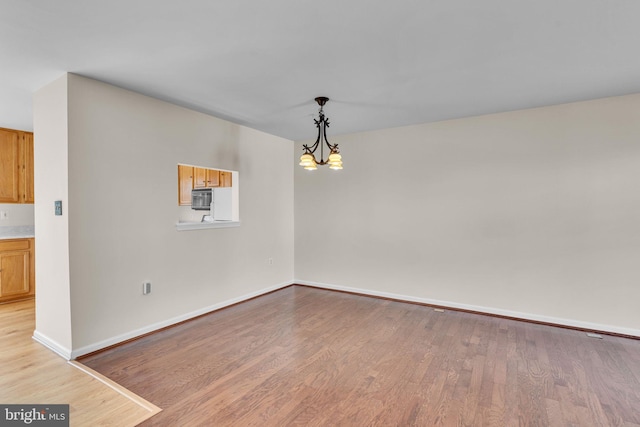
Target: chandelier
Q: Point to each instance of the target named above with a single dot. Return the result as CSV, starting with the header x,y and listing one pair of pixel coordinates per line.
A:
x,y
308,159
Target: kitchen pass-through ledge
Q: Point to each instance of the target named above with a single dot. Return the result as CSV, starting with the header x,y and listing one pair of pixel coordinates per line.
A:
x,y
182,226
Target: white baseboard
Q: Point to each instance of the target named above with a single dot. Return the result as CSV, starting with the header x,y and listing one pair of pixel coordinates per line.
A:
x,y
163,324
52,345
481,309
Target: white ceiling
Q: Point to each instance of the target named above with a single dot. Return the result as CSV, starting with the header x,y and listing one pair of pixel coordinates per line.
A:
x,y
382,63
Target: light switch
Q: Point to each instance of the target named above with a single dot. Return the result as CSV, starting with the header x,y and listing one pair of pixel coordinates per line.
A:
x,y
58,205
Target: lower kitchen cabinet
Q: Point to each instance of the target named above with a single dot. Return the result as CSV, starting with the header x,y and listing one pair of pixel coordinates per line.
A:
x,y
17,269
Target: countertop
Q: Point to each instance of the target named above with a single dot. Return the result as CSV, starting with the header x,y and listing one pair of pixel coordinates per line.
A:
x,y
17,232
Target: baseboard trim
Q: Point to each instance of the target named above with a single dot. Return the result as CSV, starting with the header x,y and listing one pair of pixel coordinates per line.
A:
x,y
547,320
137,333
52,345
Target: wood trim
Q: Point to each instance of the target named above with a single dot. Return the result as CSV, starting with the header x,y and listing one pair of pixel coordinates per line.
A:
x,y
117,387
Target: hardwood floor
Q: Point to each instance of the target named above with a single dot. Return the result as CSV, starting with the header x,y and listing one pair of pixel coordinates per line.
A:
x,y
33,374
304,356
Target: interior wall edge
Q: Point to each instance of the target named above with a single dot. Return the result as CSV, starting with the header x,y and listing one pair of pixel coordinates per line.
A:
x,y
118,339
553,321
52,345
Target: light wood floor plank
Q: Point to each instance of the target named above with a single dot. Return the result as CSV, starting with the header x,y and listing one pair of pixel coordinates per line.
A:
x,y
32,374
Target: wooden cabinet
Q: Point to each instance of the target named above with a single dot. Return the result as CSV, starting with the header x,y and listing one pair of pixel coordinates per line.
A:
x,y
205,178
199,177
190,177
9,166
225,179
17,269
185,184
27,147
16,166
213,178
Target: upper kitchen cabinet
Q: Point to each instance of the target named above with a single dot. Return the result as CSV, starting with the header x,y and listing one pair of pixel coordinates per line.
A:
x,y
199,177
225,179
190,177
27,146
185,184
9,167
205,178
16,166
213,178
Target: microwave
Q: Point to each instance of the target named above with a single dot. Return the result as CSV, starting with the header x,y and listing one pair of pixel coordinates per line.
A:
x,y
201,199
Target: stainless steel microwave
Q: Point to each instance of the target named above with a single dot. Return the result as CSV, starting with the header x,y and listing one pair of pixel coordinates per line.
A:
x,y
201,199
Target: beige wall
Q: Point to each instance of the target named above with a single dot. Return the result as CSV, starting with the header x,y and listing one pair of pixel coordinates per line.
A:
x,y
532,213
123,154
53,309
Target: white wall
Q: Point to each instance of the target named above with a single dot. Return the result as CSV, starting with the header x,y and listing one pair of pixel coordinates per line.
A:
x,y
53,309
533,213
123,154
17,214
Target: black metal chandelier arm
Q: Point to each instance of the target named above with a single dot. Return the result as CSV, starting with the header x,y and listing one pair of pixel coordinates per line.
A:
x,y
311,149
308,159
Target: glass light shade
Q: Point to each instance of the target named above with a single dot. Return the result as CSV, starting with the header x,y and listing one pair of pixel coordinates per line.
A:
x,y
311,167
335,161
306,159
334,157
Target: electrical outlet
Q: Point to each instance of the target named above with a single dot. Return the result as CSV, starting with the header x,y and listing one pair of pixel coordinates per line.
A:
x,y
3,214
439,310
270,261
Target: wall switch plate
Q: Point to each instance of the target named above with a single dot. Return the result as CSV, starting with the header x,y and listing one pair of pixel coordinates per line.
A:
x,y
3,214
58,207
146,288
